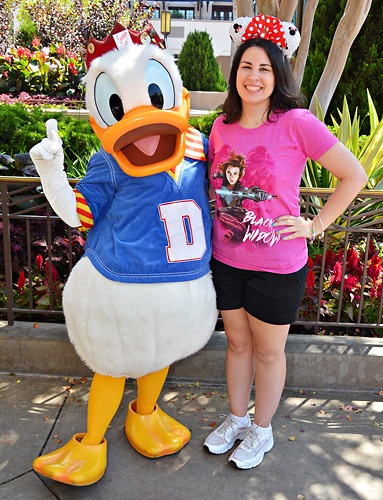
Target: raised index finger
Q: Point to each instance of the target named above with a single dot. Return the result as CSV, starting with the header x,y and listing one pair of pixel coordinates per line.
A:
x,y
53,133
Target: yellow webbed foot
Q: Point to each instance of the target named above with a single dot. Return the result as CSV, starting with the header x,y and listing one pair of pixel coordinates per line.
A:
x,y
75,463
156,434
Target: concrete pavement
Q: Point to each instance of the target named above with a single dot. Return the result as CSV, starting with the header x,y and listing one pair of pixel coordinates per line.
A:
x,y
328,445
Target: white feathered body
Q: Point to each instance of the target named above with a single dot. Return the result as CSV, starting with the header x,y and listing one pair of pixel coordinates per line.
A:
x,y
130,329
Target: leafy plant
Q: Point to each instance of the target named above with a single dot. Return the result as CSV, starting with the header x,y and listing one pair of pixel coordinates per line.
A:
x,y
367,149
34,283
197,64
350,287
54,71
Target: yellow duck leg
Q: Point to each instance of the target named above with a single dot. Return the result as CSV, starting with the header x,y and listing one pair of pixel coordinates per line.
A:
x,y
82,461
151,431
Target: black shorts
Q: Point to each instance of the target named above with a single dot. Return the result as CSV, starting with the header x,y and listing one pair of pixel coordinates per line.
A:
x,y
270,297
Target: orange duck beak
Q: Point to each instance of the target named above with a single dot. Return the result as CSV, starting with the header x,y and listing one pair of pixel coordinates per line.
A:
x,y
147,140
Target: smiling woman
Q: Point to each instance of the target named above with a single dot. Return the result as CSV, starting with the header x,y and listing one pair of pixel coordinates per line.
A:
x,y
255,84
259,259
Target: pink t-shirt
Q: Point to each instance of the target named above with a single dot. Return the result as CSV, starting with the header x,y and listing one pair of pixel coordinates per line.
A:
x,y
263,185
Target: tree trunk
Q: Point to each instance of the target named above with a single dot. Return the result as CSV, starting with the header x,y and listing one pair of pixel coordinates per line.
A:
x,y
244,8
307,27
355,14
268,7
286,10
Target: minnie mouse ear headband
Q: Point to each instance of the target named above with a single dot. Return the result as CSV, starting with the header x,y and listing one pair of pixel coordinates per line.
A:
x,y
285,35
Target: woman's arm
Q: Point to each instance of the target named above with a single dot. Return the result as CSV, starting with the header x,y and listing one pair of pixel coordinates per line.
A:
x,y
344,166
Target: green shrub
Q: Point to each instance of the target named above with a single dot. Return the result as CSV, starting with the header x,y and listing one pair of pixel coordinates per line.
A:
x,y
198,67
204,123
22,127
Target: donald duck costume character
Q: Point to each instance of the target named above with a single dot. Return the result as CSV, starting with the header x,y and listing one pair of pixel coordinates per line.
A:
x,y
142,295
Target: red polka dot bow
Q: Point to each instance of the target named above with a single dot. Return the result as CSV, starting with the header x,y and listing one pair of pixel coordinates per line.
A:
x,y
267,27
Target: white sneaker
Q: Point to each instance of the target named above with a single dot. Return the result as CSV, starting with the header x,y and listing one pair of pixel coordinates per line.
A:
x,y
251,451
224,437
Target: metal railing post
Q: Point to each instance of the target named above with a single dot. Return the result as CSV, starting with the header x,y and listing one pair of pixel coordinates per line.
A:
x,y
7,252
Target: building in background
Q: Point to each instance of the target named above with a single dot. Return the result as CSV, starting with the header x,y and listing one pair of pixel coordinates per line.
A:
x,y
214,17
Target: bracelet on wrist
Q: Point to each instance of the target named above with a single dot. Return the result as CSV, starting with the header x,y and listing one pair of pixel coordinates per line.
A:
x,y
321,234
313,234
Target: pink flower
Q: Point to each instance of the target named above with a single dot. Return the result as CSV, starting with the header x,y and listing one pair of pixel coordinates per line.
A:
x,y
35,42
72,55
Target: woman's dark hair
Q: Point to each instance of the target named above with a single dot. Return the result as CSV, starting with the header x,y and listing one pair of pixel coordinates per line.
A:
x,y
286,94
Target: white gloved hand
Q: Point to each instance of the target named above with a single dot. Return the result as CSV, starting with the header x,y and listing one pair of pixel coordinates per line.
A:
x,y
48,158
48,155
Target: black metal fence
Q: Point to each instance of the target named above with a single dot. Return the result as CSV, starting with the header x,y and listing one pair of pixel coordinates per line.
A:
x,y
23,204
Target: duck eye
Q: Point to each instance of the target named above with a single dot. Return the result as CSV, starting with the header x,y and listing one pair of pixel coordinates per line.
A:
x,y
160,85
107,100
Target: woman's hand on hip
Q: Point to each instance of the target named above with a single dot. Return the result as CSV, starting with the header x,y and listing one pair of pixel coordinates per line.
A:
x,y
294,227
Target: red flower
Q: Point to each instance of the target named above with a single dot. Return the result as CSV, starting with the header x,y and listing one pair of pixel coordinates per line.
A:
x,y
54,272
336,277
309,263
375,268
310,282
21,281
330,259
72,68
39,261
353,260
371,249
350,283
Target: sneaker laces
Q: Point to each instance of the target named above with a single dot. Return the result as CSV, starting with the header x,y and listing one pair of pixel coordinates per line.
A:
x,y
227,424
251,440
